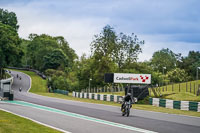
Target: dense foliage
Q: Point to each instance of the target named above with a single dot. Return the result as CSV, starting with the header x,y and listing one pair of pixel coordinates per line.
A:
x,y
53,56
9,18
46,52
10,49
190,63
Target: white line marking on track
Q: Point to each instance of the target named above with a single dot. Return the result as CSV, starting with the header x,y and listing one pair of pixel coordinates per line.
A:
x,y
84,117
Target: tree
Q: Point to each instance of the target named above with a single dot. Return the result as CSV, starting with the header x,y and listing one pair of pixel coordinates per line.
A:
x,y
24,60
177,75
54,60
104,44
104,50
105,65
128,49
69,52
84,70
72,80
42,48
39,47
56,79
120,49
10,50
163,58
54,56
190,63
9,18
110,53
60,82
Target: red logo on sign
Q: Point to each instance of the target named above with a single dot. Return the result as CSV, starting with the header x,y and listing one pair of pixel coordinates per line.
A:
x,y
144,78
134,78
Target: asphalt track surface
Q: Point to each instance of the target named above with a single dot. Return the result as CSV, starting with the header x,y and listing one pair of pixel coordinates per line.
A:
x,y
147,120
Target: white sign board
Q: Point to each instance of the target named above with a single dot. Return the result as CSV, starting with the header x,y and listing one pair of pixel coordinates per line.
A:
x,y
132,78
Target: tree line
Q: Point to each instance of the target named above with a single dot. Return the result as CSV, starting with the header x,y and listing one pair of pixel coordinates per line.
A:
x,y
111,52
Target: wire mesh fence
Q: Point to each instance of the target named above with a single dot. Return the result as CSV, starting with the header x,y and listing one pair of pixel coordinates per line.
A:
x,y
191,87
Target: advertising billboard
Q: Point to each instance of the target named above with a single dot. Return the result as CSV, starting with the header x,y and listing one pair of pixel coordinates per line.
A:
x,y
132,78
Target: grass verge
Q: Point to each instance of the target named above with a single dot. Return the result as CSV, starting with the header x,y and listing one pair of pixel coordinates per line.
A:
x,y
121,93
35,89
10,123
180,96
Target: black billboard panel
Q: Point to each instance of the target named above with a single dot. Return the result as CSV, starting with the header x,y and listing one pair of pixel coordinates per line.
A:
x,y
108,77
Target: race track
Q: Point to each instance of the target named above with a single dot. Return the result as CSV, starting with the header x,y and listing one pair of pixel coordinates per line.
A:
x,y
80,117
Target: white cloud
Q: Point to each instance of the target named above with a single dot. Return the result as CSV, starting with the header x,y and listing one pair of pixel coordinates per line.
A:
x,y
79,21
77,31
177,47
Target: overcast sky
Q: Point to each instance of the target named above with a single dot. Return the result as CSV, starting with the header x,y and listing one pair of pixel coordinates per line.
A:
x,y
173,24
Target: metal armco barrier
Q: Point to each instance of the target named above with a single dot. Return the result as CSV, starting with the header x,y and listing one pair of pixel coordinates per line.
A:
x,y
182,105
64,92
28,69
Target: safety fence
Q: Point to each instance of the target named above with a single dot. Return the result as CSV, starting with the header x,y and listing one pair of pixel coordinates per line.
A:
x,y
64,92
190,86
172,104
102,97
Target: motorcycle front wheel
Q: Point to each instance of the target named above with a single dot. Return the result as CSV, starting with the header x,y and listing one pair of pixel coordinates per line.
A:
x,y
127,111
123,113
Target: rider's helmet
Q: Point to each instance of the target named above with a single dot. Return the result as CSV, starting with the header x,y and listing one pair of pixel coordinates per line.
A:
x,y
129,94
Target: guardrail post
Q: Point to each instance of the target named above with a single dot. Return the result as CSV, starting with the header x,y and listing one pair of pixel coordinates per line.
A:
x,y
150,91
198,90
186,86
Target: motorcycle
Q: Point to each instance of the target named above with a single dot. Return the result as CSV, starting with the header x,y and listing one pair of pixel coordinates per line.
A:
x,y
126,109
127,106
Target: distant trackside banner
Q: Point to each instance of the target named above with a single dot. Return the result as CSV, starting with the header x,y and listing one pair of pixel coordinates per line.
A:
x,y
132,78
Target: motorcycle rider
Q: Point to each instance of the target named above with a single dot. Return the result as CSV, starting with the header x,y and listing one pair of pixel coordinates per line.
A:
x,y
128,97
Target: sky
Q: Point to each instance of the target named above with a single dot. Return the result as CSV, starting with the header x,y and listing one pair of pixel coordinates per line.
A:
x,y
173,24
